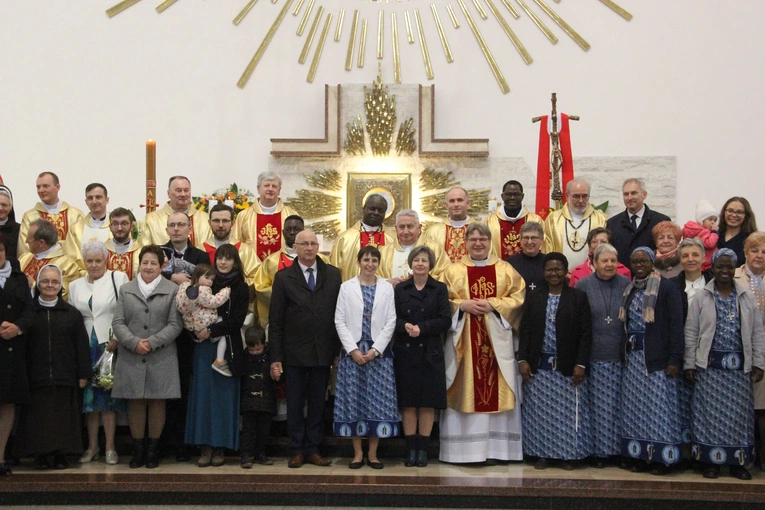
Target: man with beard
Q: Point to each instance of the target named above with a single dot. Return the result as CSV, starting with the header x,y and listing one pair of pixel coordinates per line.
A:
x,y
450,235
221,223
369,230
506,221
566,229
123,250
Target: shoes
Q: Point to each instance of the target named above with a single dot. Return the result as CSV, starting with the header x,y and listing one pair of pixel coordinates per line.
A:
x,y
658,469
411,458
356,465
112,458
711,471
206,458
60,462
542,463
263,460
152,453
217,458
41,462
740,472
491,462
422,458
567,465
639,467
375,464
246,461
89,455
599,462
318,460
222,368
139,454
296,461
5,469
182,454
625,463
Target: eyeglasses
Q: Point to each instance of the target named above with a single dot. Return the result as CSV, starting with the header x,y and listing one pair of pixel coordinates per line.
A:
x,y
306,243
474,240
120,224
583,196
735,212
177,225
530,238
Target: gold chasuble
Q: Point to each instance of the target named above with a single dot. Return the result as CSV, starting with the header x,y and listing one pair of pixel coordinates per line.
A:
x,y
345,251
566,236
484,359
450,239
506,234
264,280
387,252
125,262
70,269
154,226
250,261
263,232
65,221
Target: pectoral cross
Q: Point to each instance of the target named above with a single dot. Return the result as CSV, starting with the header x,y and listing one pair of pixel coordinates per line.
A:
x,y
731,316
609,320
533,286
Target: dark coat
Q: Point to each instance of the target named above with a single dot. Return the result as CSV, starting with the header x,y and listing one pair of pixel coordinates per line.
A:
x,y
735,243
419,361
11,232
58,346
626,239
15,307
233,312
257,386
302,323
573,326
664,342
679,280
192,255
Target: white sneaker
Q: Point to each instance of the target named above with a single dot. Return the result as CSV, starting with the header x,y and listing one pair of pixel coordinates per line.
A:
x,y
222,369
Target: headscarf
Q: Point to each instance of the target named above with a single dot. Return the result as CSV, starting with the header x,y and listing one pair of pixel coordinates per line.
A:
x,y
5,190
651,285
725,252
48,304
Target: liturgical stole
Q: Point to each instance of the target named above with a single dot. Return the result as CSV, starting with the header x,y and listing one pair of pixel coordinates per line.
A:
x,y
511,236
454,245
121,262
482,282
34,267
376,238
60,220
269,235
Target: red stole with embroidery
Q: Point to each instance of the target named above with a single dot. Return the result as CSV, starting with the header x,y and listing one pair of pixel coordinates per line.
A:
x,y
510,236
482,282
60,220
454,245
375,238
34,267
269,234
121,262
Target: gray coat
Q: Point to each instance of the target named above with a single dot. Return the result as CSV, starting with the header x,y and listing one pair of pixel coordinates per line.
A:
x,y
702,321
154,375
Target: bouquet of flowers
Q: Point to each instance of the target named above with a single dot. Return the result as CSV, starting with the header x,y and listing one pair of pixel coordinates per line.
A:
x,y
103,371
238,198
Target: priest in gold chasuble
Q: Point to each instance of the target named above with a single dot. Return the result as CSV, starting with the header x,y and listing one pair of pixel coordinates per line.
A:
x,y
482,420
566,229
506,221
123,250
63,216
260,226
450,235
394,259
154,225
370,230
221,224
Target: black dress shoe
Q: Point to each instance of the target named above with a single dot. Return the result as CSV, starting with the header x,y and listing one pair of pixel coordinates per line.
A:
x,y
711,471
541,463
263,460
411,458
60,462
356,465
375,464
639,466
41,462
568,465
5,469
740,472
625,463
599,462
658,469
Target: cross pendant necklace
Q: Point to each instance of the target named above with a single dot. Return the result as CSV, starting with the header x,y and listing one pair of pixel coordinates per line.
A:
x,y
532,286
609,320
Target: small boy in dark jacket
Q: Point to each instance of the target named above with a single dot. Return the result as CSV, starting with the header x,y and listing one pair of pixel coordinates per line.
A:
x,y
258,404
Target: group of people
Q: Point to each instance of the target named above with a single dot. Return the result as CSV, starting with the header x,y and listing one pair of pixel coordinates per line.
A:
x,y
629,340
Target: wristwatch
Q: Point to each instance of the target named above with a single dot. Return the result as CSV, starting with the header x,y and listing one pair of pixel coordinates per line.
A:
x,y
377,353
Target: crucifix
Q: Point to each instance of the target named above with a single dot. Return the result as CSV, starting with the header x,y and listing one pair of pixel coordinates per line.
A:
x,y
557,155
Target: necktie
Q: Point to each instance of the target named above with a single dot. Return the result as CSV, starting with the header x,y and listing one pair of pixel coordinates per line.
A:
x,y
311,279
634,221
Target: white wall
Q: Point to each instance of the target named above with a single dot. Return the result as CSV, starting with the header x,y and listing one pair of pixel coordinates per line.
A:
x,y
80,93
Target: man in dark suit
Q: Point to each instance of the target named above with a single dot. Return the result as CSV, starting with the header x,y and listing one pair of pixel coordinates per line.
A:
x,y
632,228
304,344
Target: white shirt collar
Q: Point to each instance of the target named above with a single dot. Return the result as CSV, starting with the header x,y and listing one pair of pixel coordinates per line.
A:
x,y
481,263
217,243
268,210
52,209
458,223
44,254
639,215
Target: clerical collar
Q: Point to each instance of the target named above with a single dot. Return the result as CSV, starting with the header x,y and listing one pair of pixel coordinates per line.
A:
x,y
458,223
121,248
97,223
44,254
290,251
52,209
268,210
218,243
481,263
504,212
369,228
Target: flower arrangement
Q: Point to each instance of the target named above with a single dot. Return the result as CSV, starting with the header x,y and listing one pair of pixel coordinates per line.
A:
x,y
238,198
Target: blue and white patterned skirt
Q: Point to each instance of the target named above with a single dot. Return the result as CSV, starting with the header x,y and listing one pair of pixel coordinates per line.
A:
x,y
605,380
650,413
723,417
556,417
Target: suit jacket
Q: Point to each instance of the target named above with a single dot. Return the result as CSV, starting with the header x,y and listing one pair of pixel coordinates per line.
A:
x,y
192,254
573,327
301,327
626,239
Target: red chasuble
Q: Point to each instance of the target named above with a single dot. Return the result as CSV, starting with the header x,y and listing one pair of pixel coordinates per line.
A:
x,y
211,249
511,236
454,245
376,238
61,223
34,267
269,236
483,285
121,262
